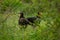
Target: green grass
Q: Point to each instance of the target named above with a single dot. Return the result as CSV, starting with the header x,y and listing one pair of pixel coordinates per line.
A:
x,y
10,30
50,20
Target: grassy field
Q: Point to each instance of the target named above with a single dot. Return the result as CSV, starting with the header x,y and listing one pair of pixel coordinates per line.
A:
x,y
48,29
10,30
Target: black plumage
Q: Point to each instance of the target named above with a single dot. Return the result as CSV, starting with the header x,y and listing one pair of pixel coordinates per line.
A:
x,y
27,21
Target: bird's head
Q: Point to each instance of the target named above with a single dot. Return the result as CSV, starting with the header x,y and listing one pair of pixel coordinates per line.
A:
x,y
21,14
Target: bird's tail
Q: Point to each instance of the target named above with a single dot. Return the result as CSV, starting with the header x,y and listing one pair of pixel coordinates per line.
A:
x,y
39,15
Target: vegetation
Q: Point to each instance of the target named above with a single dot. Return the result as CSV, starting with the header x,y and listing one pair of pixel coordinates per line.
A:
x,y
50,20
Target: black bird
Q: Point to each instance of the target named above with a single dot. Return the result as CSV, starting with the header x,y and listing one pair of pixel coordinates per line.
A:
x,y
22,20
32,19
27,21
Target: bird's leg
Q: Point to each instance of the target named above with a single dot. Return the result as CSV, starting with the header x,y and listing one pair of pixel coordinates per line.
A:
x,y
25,26
39,21
21,27
33,25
